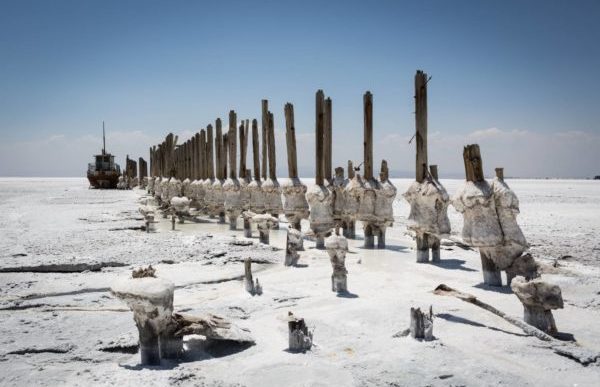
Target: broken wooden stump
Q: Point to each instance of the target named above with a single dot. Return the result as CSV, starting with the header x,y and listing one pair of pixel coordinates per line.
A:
x,y
151,300
251,287
292,246
300,339
337,247
538,299
421,324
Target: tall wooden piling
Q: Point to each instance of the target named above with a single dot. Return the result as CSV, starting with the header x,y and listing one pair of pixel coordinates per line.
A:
x,y
290,138
255,150
327,141
368,135
320,126
243,148
421,125
203,170
271,145
265,129
210,167
433,170
232,146
224,147
219,149
350,170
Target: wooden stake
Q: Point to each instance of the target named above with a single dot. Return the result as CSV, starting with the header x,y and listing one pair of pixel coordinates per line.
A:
x,y
210,153
320,102
219,149
271,144
243,149
327,140
265,129
255,150
500,174
433,170
224,147
368,134
202,163
290,136
350,170
232,147
421,125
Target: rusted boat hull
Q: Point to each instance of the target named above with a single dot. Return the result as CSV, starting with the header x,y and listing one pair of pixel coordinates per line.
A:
x,y
103,180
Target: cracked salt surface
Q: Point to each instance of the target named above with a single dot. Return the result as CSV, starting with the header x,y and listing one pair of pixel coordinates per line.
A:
x,y
65,328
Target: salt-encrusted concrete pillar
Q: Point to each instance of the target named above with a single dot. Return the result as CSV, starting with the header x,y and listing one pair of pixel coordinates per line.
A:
x,y
481,227
292,246
384,204
538,299
319,197
151,300
295,205
232,187
337,247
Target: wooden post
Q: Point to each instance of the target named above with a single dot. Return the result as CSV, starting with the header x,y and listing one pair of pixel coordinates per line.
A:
x,y
272,159
290,137
224,147
232,138
265,129
350,170
255,150
248,281
433,170
320,118
421,125
368,135
243,149
421,324
209,153
473,163
202,167
219,149
500,174
327,142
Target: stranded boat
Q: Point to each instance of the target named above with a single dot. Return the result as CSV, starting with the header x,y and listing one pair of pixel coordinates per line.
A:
x,y
104,173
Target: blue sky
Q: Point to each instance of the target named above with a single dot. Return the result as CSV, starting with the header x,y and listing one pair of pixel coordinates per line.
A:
x,y
521,78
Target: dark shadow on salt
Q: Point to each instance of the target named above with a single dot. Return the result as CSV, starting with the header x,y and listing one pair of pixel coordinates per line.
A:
x,y
452,264
203,349
462,320
347,295
497,289
395,248
300,265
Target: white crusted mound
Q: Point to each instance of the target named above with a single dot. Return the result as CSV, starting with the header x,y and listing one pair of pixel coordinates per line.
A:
x,y
294,199
476,202
321,212
384,203
428,208
272,196
537,293
507,207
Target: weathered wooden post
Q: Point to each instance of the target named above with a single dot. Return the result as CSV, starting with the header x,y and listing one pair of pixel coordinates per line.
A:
x,y
319,197
265,130
337,247
231,187
300,338
327,142
207,184
271,186
251,287
428,199
295,205
257,196
218,198
365,191
245,175
421,324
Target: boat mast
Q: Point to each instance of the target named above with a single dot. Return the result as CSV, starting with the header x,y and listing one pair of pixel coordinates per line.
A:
x,y
103,140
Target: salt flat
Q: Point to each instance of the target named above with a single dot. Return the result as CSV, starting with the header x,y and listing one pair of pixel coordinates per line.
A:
x,y
63,245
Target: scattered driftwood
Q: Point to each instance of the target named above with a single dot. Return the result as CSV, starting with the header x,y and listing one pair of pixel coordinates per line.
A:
x,y
300,339
567,349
